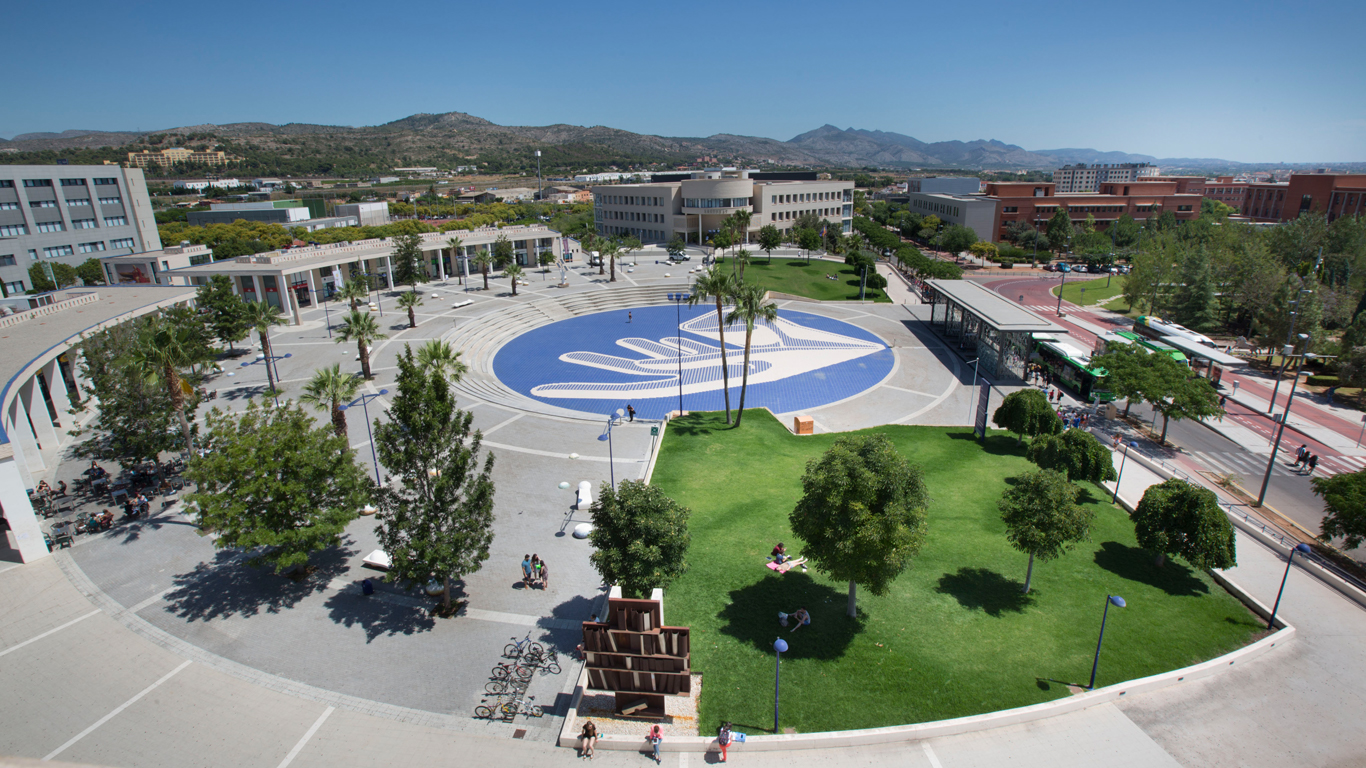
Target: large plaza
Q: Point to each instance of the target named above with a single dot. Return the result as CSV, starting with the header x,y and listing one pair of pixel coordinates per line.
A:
x,y
145,645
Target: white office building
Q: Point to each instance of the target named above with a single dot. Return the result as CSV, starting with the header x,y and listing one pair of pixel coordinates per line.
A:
x,y
1088,178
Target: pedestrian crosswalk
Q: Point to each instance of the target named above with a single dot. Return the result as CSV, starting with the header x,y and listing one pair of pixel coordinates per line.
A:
x,y
1228,462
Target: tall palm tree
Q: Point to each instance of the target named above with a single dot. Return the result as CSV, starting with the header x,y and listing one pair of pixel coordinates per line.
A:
x,y
749,308
328,390
260,317
361,328
162,352
742,259
454,244
717,285
513,272
410,300
437,356
742,219
483,260
354,291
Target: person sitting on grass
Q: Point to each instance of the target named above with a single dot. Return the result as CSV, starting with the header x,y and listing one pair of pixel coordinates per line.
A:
x,y
799,619
779,554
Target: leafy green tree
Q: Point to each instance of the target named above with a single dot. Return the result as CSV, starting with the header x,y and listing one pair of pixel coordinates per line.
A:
x,y
38,276
718,286
329,390
260,316
410,300
741,259
1195,302
609,249
502,252
354,291
163,352
436,522
361,328
513,273
740,220
677,247
1076,453
748,308
1344,507
546,259
1178,518
809,240
1059,229
769,239
630,244
1124,232
90,272
1042,516
1027,412
862,514
453,244
1177,394
439,358
957,238
1126,371
407,260
227,312
483,260
640,537
275,484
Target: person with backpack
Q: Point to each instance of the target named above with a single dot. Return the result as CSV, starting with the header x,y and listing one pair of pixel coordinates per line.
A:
x,y
655,736
723,739
1313,463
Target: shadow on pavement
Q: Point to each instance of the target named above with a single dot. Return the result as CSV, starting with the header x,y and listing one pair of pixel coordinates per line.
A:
x,y
230,587
751,616
1135,564
378,617
981,588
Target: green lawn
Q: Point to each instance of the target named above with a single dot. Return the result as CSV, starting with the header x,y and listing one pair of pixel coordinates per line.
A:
x,y
794,276
955,636
1095,290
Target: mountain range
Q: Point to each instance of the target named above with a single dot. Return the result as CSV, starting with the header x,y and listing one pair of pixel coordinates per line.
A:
x,y
457,138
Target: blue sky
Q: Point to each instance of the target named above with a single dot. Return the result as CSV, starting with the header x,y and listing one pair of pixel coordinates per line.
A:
x,y
1250,81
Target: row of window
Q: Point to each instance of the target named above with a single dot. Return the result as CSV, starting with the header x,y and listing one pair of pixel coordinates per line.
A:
x,y
633,200
65,182
803,197
793,215
45,227
53,203
656,218
715,202
57,251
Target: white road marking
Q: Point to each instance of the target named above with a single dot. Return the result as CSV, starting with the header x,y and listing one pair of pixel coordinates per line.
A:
x,y
117,710
930,755
502,424
289,758
52,631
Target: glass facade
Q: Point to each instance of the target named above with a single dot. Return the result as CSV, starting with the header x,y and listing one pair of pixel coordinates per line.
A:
x,y
715,202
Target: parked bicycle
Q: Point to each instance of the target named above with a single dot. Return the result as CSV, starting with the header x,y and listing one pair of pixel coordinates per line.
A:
x,y
516,707
526,646
509,671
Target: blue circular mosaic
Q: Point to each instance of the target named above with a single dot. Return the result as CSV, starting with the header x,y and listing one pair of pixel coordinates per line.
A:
x,y
601,362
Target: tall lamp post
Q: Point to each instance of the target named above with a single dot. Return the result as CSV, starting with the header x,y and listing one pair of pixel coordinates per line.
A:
x,y
269,361
779,647
364,402
1120,476
1110,600
1285,358
1285,416
606,437
971,404
1060,286
1303,549
678,299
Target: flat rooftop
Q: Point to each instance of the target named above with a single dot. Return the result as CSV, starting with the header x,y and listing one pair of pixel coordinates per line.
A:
x,y
994,309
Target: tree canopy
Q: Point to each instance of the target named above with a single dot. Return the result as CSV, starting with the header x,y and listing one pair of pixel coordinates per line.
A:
x,y
1027,412
862,514
640,537
1076,453
1344,507
1178,518
1042,516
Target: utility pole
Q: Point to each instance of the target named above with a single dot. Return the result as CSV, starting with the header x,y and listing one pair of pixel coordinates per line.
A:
x,y
539,194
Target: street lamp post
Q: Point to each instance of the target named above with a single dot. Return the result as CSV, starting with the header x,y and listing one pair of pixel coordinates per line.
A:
x,y
1285,359
1120,476
364,402
327,314
269,362
607,438
975,363
1285,416
1115,600
1060,287
678,299
1302,549
779,646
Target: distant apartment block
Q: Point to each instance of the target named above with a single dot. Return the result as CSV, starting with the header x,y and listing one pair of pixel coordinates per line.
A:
x,y
173,155
70,213
694,205
1088,178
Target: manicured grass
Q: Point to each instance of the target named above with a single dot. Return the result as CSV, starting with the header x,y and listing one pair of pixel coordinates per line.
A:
x,y
1096,291
796,277
955,636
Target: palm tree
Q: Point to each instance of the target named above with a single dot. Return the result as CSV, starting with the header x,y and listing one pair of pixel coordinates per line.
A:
x,y
260,317
749,308
742,219
717,285
742,258
437,356
513,272
354,291
162,353
609,249
483,260
454,244
361,328
328,390
409,300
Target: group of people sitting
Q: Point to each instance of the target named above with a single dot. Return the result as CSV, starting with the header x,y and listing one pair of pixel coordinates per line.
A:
x,y
783,562
588,739
535,573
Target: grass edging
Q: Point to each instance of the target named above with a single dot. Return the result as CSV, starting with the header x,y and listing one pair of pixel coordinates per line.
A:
x,y
972,723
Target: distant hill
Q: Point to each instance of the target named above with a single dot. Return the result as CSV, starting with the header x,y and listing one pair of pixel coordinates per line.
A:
x,y
456,138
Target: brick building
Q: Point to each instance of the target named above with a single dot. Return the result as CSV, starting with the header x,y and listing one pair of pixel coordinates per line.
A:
x,y
1227,190
1034,202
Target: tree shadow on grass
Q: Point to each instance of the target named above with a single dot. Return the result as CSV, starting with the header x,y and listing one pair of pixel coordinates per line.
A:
x,y
229,586
797,263
751,616
1135,564
695,426
981,588
997,445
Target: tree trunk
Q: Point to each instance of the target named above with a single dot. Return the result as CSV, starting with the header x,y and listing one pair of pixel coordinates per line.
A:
x,y
412,318
852,611
265,350
1127,405
1161,559
446,596
189,436
744,378
725,371
485,272
614,269
364,359
1029,573
514,286
338,420
1165,421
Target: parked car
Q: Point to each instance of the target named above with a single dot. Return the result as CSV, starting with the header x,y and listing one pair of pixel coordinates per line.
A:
x,y
1064,267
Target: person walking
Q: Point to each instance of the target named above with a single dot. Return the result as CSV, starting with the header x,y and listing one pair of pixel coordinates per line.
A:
x,y
630,412
655,736
628,317
1301,454
543,574
1313,464
723,739
526,571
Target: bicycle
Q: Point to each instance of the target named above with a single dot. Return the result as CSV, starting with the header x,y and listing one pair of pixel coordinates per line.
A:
x,y
509,671
506,686
516,707
487,712
517,648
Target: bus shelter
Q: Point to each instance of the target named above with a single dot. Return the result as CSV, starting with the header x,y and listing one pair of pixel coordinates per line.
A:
x,y
985,323
1205,360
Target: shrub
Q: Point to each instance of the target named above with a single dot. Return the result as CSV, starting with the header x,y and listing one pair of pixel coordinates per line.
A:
x,y
1325,380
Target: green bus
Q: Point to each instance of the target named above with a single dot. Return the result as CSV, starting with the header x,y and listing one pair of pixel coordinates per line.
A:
x,y
1071,368
1152,345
